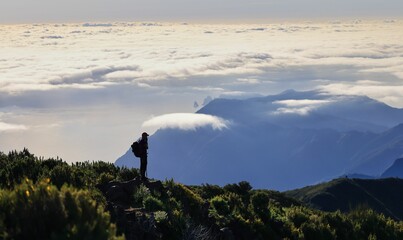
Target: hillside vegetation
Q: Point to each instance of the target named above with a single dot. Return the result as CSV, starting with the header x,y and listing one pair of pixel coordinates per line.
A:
x,y
383,195
50,199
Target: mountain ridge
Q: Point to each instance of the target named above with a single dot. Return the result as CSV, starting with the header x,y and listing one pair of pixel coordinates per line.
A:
x,y
346,194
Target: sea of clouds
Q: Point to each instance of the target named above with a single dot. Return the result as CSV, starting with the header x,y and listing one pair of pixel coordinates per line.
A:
x,y
83,91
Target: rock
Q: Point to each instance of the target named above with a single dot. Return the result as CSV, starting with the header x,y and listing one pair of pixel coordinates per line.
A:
x,y
121,192
135,223
117,194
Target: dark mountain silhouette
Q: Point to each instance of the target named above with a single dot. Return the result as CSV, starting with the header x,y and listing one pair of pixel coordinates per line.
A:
x,y
396,170
281,142
345,194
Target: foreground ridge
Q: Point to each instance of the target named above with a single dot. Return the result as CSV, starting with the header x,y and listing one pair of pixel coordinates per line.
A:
x,y
97,200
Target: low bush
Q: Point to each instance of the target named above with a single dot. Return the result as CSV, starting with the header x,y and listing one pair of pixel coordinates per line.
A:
x,y
42,211
152,204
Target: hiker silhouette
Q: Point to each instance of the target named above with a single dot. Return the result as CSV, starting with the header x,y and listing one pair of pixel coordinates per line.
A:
x,y
143,147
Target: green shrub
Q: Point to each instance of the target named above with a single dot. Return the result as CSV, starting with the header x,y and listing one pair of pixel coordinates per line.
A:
x,y
192,203
260,203
105,178
126,174
242,189
220,205
140,194
208,191
97,196
152,204
367,222
61,174
16,166
297,216
317,228
342,225
99,167
160,216
41,211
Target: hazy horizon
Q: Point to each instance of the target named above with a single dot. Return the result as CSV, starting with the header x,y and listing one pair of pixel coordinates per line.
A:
x,y
26,11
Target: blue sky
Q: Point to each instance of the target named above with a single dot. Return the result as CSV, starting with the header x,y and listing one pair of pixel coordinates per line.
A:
x,y
27,11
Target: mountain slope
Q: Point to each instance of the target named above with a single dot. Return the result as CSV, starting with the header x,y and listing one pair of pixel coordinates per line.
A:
x,y
268,156
281,142
396,170
374,158
345,194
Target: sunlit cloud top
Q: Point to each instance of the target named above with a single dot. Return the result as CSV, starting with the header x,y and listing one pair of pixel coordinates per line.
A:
x,y
224,59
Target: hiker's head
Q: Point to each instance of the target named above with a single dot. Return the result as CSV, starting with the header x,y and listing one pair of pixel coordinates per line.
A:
x,y
144,135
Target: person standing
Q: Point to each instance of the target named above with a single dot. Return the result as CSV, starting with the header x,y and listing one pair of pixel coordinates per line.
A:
x,y
143,147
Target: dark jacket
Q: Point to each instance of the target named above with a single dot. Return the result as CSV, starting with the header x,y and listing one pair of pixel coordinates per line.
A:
x,y
143,143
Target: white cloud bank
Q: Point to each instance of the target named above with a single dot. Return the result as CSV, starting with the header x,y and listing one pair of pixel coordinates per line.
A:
x,y
233,58
7,127
186,121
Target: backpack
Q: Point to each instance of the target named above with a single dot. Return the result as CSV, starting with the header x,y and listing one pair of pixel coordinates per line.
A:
x,y
136,149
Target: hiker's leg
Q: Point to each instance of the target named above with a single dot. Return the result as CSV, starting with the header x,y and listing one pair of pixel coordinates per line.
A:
x,y
143,166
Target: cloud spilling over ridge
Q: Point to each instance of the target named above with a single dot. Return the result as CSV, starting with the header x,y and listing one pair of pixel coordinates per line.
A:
x,y
299,106
186,121
387,93
301,102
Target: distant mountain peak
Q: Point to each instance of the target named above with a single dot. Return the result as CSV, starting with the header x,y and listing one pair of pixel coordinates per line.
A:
x,y
288,91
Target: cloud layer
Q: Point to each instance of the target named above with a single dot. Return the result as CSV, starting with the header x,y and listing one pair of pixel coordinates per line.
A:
x,y
107,78
230,59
